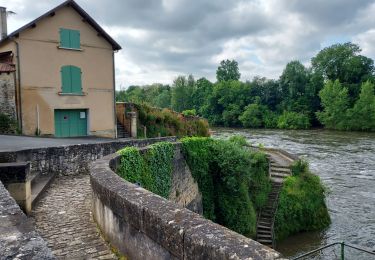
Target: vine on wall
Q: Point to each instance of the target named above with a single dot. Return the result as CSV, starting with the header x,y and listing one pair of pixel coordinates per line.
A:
x,y
152,170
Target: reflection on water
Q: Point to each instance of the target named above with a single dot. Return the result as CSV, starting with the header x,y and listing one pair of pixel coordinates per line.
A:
x,y
346,164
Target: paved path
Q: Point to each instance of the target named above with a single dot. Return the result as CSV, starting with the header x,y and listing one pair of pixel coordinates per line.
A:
x,y
63,218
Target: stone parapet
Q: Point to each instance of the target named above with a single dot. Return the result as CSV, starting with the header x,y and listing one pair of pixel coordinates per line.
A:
x,y
143,225
18,238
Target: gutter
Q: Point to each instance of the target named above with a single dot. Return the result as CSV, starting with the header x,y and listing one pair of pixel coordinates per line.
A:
x,y
114,93
19,85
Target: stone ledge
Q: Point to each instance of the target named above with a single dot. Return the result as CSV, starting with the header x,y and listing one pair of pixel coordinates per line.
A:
x,y
143,225
18,238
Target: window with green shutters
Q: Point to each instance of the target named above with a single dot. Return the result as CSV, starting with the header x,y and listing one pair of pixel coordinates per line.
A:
x,y
71,79
70,39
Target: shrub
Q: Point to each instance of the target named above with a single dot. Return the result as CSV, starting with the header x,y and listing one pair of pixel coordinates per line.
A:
x,y
165,122
191,112
7,125
299,167
301,205
293,120
238,140
252,117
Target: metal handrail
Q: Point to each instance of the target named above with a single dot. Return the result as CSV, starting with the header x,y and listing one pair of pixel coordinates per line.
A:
x,y
342,244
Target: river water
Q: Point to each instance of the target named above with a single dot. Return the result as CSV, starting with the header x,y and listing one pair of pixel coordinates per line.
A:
x,y
345,162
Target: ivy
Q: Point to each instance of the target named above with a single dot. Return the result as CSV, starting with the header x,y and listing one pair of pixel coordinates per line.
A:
x,y
159,158
153,170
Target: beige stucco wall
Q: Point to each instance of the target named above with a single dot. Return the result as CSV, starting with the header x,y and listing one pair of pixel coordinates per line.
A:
x,y
40,64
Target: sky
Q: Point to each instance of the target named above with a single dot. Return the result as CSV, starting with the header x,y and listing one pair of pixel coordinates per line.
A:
x,y
162,39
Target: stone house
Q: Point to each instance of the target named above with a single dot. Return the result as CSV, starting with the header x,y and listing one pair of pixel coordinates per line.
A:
x,y
58,74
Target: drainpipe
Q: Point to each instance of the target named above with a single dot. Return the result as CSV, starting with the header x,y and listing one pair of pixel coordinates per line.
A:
x,y
114,93
37,120
19,84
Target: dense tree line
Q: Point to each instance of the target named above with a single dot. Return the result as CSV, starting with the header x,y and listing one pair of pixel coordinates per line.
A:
x,y
336,92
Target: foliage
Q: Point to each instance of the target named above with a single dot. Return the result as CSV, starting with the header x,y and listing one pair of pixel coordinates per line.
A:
x,y
7,125
293,120
335,104
190,112
239,140
362,115
301,205
165,122
152,170
299,167
182,93
227,175
301,98
158,159
133,168
228,70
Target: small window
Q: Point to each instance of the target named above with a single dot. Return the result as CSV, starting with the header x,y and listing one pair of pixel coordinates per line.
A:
x,y
70,39
71,79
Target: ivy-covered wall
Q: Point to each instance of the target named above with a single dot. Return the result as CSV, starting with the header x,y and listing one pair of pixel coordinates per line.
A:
x,y
161,169
233,181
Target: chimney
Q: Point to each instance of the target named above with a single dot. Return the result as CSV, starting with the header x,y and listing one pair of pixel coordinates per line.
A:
x,y
3,22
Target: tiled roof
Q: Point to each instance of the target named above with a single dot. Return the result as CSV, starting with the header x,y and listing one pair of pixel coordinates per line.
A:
x,y
82,12
6,67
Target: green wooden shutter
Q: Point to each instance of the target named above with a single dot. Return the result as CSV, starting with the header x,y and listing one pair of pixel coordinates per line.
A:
x,y
66,79
74,39
76,79
64,38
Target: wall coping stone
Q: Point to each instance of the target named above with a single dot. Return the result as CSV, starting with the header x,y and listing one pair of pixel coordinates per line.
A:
x,y
181,232
18,238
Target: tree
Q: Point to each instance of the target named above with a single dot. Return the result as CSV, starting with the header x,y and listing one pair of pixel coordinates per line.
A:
x,y
343,62
362,116
202,91
335,102
182,91
228,70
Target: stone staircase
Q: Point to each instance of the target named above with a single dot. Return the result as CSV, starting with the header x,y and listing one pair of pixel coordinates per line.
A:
x,y
121,132
266,218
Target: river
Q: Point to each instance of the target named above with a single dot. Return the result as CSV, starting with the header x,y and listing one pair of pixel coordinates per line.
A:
x,y
345,162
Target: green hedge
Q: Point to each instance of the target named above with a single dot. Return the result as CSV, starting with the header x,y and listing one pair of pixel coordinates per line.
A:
x,y
153,170
227,175
302,204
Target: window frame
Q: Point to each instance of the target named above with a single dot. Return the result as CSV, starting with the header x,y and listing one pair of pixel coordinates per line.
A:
x,y
67,41
71,80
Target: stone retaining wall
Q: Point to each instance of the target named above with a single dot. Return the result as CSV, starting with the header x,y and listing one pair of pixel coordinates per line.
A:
x,y
18,238
71,159
142,225
7,95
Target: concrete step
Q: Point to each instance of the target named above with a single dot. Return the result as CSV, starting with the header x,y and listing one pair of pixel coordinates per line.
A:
x,y
268,241
264,227
279,168
39,185
262,231
277,179
264,236
279,174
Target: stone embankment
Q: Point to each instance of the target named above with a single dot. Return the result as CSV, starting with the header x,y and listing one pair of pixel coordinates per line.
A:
x,y
142,225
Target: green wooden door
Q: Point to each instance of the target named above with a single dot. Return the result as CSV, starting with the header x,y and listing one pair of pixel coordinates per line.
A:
x,y
70,122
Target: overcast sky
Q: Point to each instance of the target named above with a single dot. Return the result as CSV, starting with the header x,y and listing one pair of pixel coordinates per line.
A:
x,y
162,39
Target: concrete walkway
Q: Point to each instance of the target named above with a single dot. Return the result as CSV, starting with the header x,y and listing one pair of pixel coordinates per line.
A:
x,y
63,218
14,142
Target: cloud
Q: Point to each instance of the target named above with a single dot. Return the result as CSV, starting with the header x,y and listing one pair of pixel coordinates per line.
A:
x,y
162,39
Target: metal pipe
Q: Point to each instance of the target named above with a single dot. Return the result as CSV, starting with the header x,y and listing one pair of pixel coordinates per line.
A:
x,y
114,93
37,120
19,85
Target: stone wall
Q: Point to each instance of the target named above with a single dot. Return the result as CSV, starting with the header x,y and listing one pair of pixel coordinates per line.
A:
x,y
143,225
72,159
7,95
184,190
18,238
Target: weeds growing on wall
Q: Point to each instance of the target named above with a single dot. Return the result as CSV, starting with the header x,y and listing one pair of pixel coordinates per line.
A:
x,y
301,203
165,122
7,125
226,173
152,170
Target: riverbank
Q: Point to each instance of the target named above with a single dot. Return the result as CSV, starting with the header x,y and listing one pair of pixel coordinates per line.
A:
x,y
344,161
